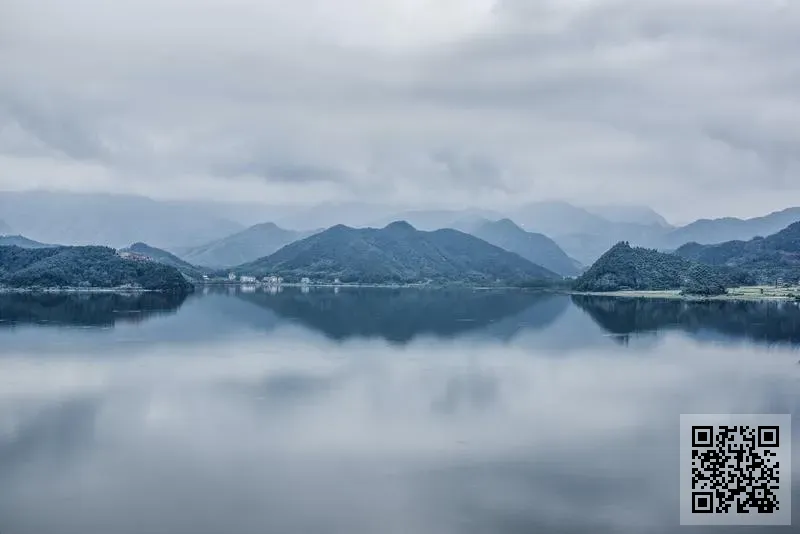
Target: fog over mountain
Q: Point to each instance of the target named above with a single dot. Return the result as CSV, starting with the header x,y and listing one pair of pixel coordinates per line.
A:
x,y
222,234
248,245
710,231
113,220
433,104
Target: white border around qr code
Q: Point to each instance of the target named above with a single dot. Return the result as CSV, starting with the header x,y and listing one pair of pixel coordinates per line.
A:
x,y
783,451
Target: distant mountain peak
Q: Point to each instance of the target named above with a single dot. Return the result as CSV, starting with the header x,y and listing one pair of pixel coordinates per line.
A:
x,y
264,226
400,225
506,224
246,245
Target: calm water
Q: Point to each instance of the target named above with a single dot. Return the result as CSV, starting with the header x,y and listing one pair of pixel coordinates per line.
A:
x,y
372,411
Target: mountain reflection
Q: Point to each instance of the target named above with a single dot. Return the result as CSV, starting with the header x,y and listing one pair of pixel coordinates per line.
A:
x,y
760,321
400,315
84,309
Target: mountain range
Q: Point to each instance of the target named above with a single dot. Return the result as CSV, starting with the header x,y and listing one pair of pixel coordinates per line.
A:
x,y
248,245
711,231
768,258
204,227
397,253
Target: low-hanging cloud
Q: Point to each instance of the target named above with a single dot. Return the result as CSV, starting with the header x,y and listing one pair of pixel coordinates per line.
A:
x,y
472,102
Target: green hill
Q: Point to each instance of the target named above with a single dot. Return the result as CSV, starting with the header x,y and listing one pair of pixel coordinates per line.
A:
x,y
634,268
534,247
766,258
245,246
165,258
85,266
397,253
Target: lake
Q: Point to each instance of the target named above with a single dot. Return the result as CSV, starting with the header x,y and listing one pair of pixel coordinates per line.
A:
x,y
352,411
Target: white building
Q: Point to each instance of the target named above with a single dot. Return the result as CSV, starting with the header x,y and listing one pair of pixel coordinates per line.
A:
x,y
247,279
305,280
231,276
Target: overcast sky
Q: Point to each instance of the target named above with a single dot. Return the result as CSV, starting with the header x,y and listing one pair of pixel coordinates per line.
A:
x,y
689,106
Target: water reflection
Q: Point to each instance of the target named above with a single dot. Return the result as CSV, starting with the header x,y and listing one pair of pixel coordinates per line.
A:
x,y
762,322
86,309
370,411
403,315
400,315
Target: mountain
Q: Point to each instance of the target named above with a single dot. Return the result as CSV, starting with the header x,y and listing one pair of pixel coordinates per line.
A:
x,y
89,266
242,247
631,214
557,218
583,235
113,220
624,267
712,231
397,253
163,257
767,258
22,242
536,248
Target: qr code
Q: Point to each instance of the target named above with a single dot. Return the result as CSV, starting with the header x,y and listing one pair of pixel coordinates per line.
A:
x,y
736,469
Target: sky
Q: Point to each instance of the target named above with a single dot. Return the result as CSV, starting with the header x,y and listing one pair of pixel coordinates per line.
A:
x,y
691,107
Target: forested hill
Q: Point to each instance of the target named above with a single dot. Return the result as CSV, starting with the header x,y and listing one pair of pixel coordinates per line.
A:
x,y
167,258
398,253
633,268
84,266
766,258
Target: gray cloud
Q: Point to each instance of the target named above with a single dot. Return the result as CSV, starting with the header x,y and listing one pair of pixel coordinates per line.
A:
x,y
476,102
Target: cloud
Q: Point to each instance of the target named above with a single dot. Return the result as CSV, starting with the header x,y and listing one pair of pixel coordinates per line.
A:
x,y
424,102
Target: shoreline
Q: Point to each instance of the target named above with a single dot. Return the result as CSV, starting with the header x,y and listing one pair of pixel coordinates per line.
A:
x,y
376,286
748,293
118,290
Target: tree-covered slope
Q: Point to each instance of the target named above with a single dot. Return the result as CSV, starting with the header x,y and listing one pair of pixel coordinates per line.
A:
x,y
88,266
624,267
397,253
766,258
534,247
166,258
